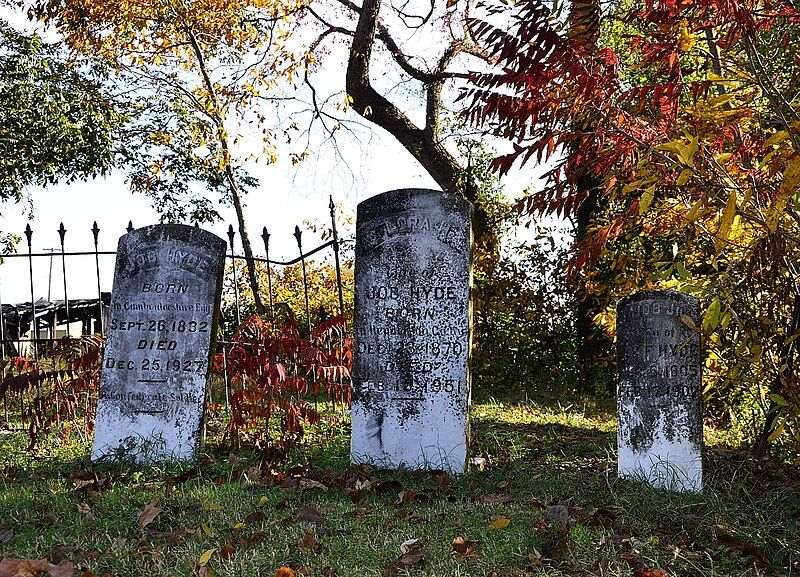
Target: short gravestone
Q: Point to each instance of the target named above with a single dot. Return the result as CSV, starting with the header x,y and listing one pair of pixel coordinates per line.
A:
x,y
660,426
160,332
411,380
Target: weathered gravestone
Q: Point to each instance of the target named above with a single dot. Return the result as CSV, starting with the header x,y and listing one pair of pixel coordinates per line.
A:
x,y
161,323
411,381
660,427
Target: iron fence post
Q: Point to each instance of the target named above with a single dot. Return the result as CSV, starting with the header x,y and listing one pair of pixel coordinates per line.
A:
x,y
265,237
95,233
61,233
298,235
231,235
34,328
335,234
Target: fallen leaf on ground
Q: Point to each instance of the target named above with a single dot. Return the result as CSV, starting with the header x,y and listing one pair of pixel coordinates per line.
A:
x,y
148,514
409,545
558,513
308,485
227,551
410,496
495,499
255,517
555,548
32,567
206,557
309,514
721,535
284,572
65,568
603,518
650,573
463,548
389,486
328,571
310,543
6,533
536,503
498,522
405,561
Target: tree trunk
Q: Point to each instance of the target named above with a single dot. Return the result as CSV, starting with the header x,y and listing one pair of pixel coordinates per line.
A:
x,y
584,19
422,143
230,176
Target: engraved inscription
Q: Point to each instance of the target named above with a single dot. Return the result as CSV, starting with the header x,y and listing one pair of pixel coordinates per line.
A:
x,y
167,287
658,391
410,376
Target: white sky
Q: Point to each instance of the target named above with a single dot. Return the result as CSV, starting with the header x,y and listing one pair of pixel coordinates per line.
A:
x,y
286,196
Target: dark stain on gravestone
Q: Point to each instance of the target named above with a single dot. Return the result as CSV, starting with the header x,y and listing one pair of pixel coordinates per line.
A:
x,y
658,360
396,233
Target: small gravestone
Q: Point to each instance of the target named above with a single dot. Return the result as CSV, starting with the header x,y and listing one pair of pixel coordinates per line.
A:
x,y
411,381
660,427
161,327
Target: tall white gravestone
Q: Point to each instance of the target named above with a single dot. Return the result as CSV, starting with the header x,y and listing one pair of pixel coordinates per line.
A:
x,y
161,327
411,380
660,426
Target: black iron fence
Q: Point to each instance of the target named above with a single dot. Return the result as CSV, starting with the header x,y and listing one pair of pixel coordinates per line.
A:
x,y
28,328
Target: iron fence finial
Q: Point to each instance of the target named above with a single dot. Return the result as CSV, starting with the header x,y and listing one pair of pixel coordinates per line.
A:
x,y
28,233
95,232
61,232
298,234
130,226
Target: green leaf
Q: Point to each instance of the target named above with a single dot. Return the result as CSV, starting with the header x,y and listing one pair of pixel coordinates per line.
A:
x,y
778,400
711,319
684,176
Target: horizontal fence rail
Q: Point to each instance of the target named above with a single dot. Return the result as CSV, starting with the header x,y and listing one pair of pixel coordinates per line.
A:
x,y
34,328
41,319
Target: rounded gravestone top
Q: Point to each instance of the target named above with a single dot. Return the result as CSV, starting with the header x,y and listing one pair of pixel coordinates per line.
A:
x,y
181,232
658,295
403,199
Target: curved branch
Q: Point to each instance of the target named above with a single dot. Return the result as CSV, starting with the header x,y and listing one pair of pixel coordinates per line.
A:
x,y
373,106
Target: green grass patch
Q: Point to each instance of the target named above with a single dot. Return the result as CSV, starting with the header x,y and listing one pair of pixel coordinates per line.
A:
x,y
546,502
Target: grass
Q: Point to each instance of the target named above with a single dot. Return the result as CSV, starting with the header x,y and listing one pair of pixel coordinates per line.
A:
x,y
551,474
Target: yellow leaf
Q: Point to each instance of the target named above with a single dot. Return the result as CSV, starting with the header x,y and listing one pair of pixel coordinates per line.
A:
x,y
646,199
206,557
206,529
686,40
694,212
725,222
719,100
791,176
776,138
262,501
498,522
238,526
777,432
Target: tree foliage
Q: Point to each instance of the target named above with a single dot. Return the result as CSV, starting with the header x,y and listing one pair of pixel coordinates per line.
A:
x,y
193,73
56,119
695,142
